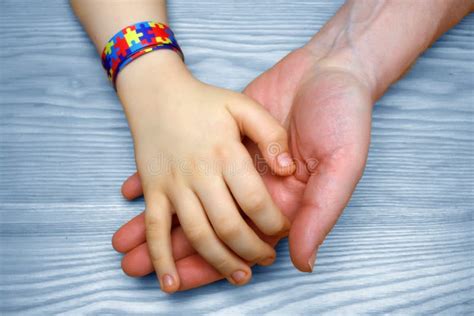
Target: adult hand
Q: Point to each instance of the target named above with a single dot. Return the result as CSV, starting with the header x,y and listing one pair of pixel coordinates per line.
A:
x,y
324,94
326,107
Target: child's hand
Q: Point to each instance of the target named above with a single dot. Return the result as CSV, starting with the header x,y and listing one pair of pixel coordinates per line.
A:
x,y
192,162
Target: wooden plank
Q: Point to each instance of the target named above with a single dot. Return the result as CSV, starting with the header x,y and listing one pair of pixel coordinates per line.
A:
x,y
404,244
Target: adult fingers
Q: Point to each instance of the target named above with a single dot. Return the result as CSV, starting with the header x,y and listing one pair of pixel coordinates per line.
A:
x,y
133,233
326,195
137,262
193,270
197,272
130,235
132,187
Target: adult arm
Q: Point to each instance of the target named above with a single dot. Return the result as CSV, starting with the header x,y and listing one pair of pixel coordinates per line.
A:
x,y
384,38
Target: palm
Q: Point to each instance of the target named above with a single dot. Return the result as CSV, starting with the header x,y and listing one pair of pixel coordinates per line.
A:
x,y
273,89
327,113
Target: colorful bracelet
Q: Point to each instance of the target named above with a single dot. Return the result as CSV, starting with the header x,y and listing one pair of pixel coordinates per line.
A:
x,y
135,41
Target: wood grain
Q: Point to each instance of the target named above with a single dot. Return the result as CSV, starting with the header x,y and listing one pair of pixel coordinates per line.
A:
x,y
403,246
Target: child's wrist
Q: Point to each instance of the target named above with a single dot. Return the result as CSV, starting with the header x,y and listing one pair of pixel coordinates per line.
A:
x,y
161,67
151,79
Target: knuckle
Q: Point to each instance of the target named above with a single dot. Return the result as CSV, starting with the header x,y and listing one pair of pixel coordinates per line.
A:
x,y
157,259
257,257
267,256
254,201
153,221
278,134
221,153
275,229
197,235
223,264
228,229
159,256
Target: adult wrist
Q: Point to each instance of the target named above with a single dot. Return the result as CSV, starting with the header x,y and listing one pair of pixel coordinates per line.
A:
x,y
346,60
349,61
380,40
332,48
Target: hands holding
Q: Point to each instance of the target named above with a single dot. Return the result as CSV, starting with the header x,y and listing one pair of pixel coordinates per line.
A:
x,y
325,106
322,95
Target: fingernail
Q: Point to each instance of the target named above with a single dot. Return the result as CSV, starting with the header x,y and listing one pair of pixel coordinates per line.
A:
x,y
168,281
284,160
239,276
312,259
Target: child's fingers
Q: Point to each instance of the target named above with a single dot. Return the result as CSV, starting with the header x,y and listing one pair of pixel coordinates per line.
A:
x,y
200,234
248,189
158,235
137,262
229,224
271,138
193,270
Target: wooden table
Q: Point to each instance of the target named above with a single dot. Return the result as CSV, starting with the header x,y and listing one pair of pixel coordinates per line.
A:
x,y
404,244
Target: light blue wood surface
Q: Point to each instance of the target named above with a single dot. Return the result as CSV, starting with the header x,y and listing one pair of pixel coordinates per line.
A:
x,y
403,246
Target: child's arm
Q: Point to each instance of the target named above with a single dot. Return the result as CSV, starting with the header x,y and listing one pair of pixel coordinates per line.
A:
x,y
189,153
